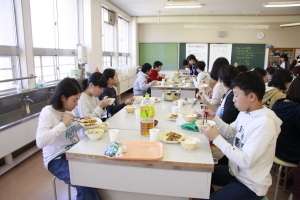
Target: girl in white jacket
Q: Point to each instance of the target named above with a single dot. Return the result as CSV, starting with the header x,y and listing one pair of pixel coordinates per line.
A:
x,y
56,133
89,105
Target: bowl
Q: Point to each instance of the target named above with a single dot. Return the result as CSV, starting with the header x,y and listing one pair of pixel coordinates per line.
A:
x,y
191,100
111,100
130,108
155,123
189,117
103,126
138,99
94,134
90,123
200,124
189,143
193,111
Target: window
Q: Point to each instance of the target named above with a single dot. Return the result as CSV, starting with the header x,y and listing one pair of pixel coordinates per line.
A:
x,y
54,24
53,68
107,31
123,41
123,35
9,51
55,37
107,61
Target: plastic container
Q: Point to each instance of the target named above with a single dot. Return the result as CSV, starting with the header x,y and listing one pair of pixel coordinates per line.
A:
x,y
147,113
39,83
19,87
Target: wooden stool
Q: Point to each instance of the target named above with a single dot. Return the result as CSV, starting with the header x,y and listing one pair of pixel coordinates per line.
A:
x,y
286,165
54,189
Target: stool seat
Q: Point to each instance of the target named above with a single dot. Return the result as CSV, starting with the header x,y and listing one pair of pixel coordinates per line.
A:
x,y
283,163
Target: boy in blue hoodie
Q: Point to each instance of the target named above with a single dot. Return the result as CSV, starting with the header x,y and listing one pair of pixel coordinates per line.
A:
x,y
255,132
140,86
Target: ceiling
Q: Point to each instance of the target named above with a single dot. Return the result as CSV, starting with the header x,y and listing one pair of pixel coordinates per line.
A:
x,y
209,7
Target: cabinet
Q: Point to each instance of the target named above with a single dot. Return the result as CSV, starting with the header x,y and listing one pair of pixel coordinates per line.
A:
x,y
274,55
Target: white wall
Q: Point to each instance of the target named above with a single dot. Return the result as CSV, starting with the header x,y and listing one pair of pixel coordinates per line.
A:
x,y
278,37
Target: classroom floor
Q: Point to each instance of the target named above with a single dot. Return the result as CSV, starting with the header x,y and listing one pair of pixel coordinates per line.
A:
x,y
31,181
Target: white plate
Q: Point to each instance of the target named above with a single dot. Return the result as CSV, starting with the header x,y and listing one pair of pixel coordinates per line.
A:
x,y
167,117
157,100
95,125
163,137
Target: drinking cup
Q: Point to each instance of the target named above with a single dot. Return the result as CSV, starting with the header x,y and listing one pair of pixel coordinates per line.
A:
x,y
175,110
137,113
113,134
154,135
180,103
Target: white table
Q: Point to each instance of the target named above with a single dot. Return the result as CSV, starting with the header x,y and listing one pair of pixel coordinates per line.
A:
x,y
180,175
186,92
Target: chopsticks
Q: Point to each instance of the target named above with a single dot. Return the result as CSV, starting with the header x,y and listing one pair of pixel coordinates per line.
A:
x,y
195,102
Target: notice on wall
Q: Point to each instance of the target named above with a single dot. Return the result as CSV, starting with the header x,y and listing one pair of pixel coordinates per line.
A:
x,y
219,50
199,50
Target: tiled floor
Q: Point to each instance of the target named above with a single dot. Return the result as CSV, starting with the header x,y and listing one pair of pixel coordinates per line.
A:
x,y
31,181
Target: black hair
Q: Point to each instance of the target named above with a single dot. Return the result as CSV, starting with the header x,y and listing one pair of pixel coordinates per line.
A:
x,y
227,74
109,73
66,87
296,71
280,78
146,67
219,62
185,62
293,93
96,78
284,56
271,70
242,68
250,82
260,71
191,57
157,64
200,65
293,64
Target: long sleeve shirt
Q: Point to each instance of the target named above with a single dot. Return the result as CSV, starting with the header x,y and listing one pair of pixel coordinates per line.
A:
x,y
251,155
53,136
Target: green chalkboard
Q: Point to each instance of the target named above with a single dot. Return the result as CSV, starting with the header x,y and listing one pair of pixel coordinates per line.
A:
x,y
250,55
182,54
167,53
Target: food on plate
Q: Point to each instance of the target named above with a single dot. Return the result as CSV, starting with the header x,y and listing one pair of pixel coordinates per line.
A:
x,y
172,116
90,122
173,136
176,102
157,100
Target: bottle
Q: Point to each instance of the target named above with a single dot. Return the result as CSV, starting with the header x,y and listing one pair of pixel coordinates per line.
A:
x,y
19,87
39,83
147,113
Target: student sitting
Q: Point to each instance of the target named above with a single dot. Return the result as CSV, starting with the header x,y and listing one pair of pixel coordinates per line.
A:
x,y
242,68
288,110
261,72
202,77
140,86
280,82
154,76
56,134
192,61
226,111
112,80
255,132
270,72
89,104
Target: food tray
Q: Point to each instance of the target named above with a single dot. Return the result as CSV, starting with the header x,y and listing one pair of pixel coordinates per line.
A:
x,y
141,150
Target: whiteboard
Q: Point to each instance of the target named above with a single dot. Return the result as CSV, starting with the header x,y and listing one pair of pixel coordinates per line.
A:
x,y
219,50
199,50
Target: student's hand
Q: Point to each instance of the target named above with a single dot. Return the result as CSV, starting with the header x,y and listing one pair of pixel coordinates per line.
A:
x,y
210,114
193,76
154,82
129,101
67,118
105,102
211,132
200,96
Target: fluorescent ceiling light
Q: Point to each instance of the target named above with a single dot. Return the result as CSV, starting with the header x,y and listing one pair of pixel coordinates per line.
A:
x,y
187,5
200,26
289,25
252,26
282,4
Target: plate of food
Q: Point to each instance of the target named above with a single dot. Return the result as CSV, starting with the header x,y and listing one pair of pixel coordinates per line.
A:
x,y
171,137
176,102
171,117
157,100
92,122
